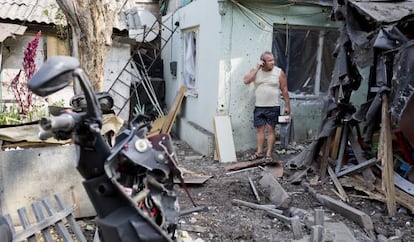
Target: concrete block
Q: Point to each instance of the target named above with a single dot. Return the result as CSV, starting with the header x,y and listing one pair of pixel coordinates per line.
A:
x,y
30,175
274,190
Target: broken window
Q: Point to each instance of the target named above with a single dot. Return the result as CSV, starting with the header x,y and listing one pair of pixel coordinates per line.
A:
x,y
189,59
306,57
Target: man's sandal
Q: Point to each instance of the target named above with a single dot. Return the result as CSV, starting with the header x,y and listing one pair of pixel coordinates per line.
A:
x,y
255,156
268,159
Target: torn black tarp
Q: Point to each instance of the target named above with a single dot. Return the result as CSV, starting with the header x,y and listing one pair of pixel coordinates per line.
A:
x,y
403,84
379,36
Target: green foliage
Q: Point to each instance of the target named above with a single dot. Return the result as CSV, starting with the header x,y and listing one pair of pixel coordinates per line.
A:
x,y
10,114
62,28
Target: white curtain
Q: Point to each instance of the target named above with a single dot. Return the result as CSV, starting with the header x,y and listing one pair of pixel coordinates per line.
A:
x,y
189,59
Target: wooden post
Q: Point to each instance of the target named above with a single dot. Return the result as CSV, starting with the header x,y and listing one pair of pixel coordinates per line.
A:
x,y
344,140
325,157
336,142
387,158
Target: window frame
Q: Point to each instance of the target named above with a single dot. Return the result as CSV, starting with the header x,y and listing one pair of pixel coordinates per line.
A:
x,y
191,89
321,46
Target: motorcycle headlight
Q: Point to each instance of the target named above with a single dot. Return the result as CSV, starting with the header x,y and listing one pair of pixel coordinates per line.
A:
x,y
142,145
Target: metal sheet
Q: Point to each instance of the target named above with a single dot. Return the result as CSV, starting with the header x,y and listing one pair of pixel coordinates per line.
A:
x,y
386,12
8,30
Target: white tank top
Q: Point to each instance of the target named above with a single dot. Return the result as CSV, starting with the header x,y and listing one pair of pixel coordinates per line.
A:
x,y
267,86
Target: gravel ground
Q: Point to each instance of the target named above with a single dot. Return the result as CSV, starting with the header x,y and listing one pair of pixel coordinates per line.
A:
x,y
225,221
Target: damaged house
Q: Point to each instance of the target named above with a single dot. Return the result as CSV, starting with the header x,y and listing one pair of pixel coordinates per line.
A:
x,y
349,70
218,42
376,136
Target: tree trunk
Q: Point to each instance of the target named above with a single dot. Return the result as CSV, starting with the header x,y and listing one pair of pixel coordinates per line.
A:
x,y
92,23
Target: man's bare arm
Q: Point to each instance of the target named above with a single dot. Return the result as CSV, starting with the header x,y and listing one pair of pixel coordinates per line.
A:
x,y
249,77
285,92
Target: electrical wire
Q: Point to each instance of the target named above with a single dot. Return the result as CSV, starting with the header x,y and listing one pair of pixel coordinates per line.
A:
x,y
245,11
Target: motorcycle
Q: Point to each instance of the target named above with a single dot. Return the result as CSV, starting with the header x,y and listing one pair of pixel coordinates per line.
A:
x,y
130,184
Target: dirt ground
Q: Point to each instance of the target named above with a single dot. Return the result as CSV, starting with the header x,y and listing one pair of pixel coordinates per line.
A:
x,y
225,221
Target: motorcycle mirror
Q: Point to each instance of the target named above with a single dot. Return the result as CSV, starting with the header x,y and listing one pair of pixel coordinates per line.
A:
x,y
55,74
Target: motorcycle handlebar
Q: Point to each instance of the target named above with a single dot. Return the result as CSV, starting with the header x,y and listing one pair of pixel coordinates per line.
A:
x,y
64,122
44,135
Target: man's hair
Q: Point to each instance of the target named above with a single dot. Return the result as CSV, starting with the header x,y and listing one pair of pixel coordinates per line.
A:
x,y
265,53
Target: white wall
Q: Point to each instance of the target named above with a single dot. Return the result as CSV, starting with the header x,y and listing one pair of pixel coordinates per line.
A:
x,y
203,15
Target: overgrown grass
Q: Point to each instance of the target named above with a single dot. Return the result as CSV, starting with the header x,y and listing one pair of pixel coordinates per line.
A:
x,y
10,114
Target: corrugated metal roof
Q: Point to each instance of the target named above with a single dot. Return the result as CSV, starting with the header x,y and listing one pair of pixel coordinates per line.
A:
x,y
385,11
44,11
37,11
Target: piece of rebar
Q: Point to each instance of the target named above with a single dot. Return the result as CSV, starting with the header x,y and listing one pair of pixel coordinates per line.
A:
x,y
254,189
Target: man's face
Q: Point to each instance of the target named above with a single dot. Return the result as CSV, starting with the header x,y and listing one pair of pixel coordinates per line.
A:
x,y
269,62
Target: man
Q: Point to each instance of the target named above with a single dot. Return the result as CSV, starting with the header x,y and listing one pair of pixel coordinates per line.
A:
x,y
268,80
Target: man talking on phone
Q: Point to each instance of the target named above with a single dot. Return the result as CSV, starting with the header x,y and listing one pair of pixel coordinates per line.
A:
x,y
269,81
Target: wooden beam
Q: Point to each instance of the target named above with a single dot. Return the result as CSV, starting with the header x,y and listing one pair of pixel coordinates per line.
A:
x,y
344,196
357,168
387,158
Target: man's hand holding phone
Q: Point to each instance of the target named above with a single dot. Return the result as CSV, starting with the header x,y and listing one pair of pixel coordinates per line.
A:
x,y
260,64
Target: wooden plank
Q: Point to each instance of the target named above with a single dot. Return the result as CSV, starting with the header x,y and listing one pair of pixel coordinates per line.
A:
x,y
357,168
223,133
175,108
338,185
387,158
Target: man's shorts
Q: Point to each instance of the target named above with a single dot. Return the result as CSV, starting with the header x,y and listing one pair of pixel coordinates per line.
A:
x,y
266,115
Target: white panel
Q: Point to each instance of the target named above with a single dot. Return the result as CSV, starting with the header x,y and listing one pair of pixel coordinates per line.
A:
x,y
224,139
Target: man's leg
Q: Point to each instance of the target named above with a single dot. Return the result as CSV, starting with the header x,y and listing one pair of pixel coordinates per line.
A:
x,y
260,137
271,138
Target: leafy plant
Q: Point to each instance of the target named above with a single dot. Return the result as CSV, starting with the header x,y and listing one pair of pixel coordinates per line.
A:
x,y
21,92
24,109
